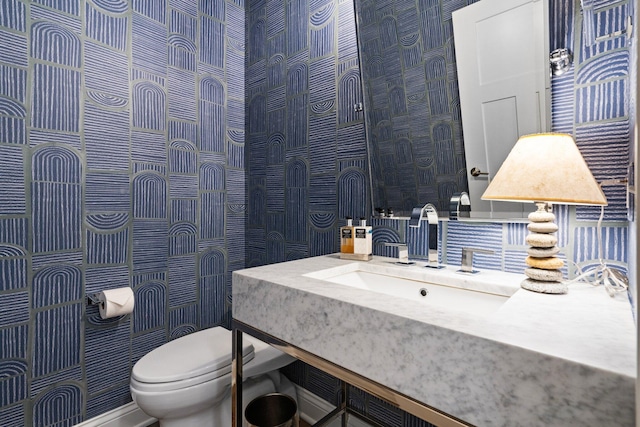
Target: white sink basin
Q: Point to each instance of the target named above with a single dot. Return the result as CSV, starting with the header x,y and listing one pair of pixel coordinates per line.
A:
x,y
432,288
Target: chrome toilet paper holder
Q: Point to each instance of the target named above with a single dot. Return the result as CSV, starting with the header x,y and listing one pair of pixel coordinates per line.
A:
x,y
95,298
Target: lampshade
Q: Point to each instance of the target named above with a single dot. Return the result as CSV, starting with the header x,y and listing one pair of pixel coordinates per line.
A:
x,y
545,167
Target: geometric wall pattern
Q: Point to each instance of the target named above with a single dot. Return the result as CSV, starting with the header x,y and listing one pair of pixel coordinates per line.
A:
x,y
412,100
306,149
121,164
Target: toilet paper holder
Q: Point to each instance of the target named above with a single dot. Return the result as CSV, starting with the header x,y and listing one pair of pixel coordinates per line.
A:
x,y
95,298
113,302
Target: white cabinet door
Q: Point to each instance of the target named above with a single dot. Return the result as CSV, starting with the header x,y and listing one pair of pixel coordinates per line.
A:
x,y
502,50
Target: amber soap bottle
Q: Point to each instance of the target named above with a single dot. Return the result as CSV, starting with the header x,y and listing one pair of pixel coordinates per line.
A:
x,y
346,237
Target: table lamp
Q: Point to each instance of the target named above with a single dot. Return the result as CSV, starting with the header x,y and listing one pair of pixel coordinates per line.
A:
x,y
545,168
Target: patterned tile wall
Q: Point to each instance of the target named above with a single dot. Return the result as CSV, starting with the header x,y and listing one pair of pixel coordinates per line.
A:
x,y
121,164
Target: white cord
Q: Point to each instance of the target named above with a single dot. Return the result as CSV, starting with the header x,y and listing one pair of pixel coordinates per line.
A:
x,y
613,280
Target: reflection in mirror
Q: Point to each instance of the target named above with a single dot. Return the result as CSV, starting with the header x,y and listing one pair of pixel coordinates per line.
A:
x,y
412,104
503,75
459,206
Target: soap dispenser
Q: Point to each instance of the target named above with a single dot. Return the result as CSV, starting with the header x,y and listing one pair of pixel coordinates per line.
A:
x,y
346,239
363,241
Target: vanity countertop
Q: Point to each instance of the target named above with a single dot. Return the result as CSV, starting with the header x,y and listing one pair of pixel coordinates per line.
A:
x,y
539,360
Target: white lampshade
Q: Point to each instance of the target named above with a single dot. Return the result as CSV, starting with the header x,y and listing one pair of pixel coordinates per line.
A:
x,y
545,167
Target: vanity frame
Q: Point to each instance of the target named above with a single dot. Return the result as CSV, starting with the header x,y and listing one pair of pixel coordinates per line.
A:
x,y
347,377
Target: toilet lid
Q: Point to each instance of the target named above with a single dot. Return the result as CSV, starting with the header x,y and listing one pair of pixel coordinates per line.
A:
x,y
192,355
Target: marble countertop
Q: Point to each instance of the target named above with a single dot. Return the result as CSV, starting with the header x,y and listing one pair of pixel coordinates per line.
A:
x,y
552,360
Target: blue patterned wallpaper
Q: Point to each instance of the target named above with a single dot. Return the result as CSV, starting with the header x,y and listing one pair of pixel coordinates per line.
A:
x,y
633,157
413,104
306,155
121,164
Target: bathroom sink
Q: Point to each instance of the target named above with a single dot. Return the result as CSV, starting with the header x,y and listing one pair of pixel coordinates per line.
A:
x,y
536,349
434,288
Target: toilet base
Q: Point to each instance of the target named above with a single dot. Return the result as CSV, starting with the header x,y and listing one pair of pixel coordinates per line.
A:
x,y
198,419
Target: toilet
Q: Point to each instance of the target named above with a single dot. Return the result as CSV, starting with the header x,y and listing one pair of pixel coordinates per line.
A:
x,y
187,382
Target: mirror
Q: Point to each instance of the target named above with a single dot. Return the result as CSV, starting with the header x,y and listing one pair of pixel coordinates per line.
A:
x,y
413,113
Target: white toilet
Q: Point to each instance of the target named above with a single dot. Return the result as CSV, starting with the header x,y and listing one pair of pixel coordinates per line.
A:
x,y
187,382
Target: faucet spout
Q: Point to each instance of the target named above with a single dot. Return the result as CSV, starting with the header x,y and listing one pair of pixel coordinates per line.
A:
x,y
416,216
418,213
432,220
459,206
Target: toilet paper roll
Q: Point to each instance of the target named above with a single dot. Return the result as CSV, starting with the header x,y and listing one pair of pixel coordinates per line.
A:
x,y
116,302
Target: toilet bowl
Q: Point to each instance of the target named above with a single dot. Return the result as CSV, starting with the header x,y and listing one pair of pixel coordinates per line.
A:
x,y
187,382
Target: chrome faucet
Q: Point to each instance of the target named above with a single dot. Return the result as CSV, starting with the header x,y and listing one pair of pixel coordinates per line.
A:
x,y
432,220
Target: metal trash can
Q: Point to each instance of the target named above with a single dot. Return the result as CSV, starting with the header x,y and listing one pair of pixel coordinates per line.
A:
x,y
272,410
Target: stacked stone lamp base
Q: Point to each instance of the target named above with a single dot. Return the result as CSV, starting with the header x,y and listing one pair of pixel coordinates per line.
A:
x,y
544,268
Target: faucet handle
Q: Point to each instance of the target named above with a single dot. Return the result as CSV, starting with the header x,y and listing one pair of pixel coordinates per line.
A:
x,y
466,264
403,253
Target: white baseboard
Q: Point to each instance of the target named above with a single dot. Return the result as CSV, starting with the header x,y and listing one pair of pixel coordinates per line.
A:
x,y
312,408
128,415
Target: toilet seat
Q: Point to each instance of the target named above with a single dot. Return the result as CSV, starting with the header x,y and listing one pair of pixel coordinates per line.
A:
x,y
187,361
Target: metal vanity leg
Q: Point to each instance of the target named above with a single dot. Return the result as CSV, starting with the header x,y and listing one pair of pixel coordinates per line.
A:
x,y
345,403
340,411
236,378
